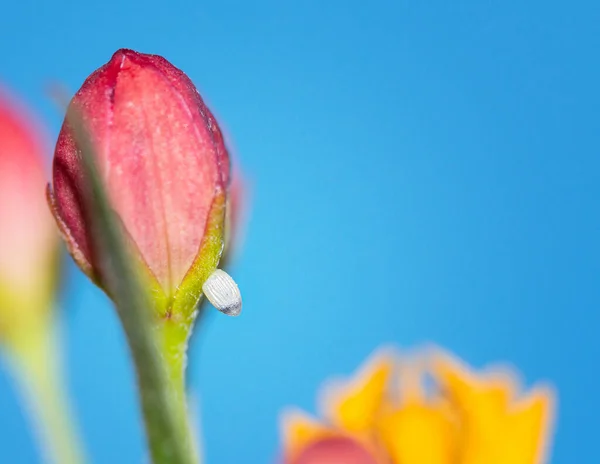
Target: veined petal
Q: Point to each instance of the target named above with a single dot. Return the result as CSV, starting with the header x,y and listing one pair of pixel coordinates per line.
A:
x,y
162,157
161,169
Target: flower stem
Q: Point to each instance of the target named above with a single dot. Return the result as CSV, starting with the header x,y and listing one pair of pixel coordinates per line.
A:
x,y
38,369
163,402
174,342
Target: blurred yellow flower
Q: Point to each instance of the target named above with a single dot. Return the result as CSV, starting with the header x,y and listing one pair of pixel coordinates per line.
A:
x,y
427,408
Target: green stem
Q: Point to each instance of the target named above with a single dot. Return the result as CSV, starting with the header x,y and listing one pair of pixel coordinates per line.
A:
x,y
38,368
174,341
163,400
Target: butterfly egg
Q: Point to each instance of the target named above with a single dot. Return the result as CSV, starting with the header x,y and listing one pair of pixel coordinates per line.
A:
x,y
223,293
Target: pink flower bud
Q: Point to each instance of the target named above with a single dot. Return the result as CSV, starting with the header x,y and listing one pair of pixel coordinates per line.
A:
x,y
165,166
28,241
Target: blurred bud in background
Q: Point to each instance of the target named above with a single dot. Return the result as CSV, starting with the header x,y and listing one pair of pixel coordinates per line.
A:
x,y
389,414
29,267
28,238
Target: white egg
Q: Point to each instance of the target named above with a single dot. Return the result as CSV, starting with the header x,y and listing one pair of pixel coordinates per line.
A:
x,y
223,293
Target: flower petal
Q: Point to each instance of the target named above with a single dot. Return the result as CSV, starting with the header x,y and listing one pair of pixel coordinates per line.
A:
x,y
353,406
420,429
496,428
420,434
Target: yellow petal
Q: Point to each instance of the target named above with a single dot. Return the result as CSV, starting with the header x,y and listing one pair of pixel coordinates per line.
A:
x,y
420,429
530,426
495,428
353,406
419,434
498,387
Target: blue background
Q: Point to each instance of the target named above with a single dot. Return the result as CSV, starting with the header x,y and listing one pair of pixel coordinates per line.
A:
x,y
421,171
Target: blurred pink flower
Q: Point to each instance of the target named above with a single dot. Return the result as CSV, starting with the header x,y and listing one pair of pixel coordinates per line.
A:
x,y
28,239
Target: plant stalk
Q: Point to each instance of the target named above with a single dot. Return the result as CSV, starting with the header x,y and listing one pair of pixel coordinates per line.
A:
x,y
38,368
174,343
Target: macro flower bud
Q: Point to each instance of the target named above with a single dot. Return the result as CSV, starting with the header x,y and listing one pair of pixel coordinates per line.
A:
x,y
28,241
164,163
